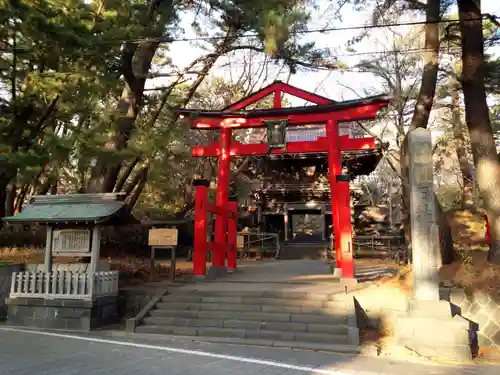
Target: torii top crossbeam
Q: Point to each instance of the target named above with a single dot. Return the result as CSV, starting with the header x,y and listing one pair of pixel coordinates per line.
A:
x,y
235,116
324,110
360,109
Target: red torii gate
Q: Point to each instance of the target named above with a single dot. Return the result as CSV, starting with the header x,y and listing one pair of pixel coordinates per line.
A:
x,y
326,111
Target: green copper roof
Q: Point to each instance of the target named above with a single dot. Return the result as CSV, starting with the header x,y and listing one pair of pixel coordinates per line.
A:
x,y
74,208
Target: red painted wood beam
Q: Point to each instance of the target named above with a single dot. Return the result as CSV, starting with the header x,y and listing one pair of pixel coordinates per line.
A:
x,y
321,145
212,208
302,94
277,98
273,88
368,111
253,98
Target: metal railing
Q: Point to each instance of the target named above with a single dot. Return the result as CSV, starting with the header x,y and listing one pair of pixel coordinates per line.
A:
x,y
378,247
301,135
285,186
64,284
385,247
259,242
351,129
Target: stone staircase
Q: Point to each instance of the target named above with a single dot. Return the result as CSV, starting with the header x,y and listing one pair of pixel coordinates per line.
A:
x,y
281,319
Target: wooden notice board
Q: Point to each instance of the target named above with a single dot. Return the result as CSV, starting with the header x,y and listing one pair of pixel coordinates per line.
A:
x,y
163,237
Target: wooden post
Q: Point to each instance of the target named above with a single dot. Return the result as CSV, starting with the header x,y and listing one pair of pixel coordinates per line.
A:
x,y
94,257
95,249
152,262
48,250
173,263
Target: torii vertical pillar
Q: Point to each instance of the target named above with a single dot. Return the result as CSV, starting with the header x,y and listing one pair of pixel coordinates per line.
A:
x,y
222,197
334,168
345,225
200,227
232,237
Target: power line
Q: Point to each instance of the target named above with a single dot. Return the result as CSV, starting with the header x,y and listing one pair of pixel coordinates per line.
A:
x,y
408,51
168,39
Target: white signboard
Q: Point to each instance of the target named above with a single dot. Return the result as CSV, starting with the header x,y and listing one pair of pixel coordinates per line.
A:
x,y
71,241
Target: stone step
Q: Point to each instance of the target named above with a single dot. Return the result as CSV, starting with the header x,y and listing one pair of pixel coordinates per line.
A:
x,y
247,324
196,295
329,309
245,334
164,311
261,300
333,348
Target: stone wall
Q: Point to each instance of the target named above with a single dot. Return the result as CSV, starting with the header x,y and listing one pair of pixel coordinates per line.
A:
x,y
374,309
480,308
5,278
78,315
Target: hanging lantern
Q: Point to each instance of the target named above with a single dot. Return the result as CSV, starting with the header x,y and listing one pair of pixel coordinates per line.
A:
x,y
276,134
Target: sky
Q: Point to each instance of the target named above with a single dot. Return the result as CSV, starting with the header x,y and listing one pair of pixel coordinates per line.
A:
x,y
334,84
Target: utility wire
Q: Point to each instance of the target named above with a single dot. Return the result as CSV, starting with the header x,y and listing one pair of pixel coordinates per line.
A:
x,y
168,39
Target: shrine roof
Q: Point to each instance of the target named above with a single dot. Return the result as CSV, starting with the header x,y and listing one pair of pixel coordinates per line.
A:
x,y
74,209
319,108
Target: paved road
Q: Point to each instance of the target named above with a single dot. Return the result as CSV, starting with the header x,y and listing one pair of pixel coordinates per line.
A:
x,y
30,352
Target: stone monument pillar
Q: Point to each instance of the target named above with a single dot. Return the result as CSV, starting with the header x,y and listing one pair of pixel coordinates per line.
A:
x,y
423,217
428,326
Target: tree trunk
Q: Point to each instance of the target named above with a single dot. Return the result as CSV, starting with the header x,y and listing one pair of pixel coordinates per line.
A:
x,y
424,102
5,180
446,248
126,174
129,106
21,197
3,197
477,118
134,196
136,60
461,148
138,182
105,175
10,199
